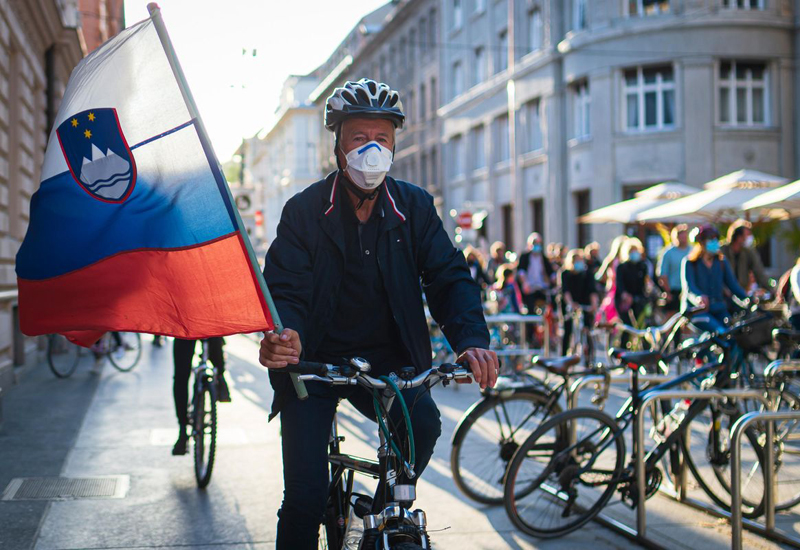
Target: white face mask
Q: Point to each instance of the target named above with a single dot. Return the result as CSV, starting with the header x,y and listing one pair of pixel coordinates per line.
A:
x,y
367,165
748,241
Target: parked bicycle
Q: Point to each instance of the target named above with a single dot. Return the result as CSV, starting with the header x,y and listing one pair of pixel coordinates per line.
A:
x,y
123,350
569,468
356,521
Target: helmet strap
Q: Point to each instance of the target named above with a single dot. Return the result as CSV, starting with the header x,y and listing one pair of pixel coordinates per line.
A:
x,y
360,194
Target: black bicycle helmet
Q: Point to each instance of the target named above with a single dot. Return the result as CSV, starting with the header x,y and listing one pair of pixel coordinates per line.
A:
x,y
365,98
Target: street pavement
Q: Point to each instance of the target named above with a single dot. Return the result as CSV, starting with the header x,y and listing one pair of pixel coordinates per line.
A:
x,y
123,424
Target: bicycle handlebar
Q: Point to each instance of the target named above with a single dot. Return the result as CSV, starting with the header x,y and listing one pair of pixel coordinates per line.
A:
x,y
343,375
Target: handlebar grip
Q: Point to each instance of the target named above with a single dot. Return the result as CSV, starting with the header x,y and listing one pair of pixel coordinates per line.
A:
x,y
307,367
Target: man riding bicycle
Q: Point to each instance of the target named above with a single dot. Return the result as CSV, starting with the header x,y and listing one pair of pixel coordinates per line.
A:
x,y
352,256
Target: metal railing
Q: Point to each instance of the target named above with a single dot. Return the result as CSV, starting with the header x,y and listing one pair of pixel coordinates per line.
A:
x,y
769,418
521,321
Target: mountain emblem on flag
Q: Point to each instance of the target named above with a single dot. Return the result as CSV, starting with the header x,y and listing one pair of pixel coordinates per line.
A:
x,y
98,155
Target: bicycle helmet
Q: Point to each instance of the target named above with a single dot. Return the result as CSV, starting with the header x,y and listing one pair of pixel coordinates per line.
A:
x,y
365,98
704,232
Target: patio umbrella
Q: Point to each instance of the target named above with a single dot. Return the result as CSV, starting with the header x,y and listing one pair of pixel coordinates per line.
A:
x,y
781,203
721,199
626,211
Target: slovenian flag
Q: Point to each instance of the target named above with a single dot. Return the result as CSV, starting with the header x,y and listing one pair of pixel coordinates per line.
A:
x,y
133,226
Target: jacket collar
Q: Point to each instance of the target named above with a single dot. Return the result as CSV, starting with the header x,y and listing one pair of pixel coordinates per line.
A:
x,y
391,210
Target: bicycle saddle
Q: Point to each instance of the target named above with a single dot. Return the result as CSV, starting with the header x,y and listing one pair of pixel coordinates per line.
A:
x,y
605,326
557,365
787,333
640,358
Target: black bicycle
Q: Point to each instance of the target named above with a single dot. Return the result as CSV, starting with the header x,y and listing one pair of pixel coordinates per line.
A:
x,y
492,429
357,521
568,469
203,417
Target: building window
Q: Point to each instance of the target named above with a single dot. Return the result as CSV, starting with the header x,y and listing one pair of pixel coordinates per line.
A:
x,y
582,110
534,125
412,45
478,147
432,29
534,30
743,93
649,98
537,216
434,97
744,4
508,225
402,54
501,141
458,15
458,79
458,157
502,51
582,208
479,62
480,6
423,99
647,7
409,105
423,35
578,15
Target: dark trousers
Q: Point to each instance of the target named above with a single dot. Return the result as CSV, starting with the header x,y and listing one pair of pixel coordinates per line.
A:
x,y
305,431
182,355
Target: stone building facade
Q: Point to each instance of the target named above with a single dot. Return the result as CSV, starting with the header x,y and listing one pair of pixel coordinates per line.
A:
x,y
39,46
552,108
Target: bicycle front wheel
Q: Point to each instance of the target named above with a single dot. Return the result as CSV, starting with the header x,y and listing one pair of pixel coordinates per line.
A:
x,y
564,473
62,355
126,349
489,435
204,431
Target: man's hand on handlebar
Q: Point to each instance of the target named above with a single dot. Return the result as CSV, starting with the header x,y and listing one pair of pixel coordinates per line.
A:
x,y
278,350
483,364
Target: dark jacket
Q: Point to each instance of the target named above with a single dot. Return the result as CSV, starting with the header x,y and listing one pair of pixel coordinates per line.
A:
x,y
743,262
305,265
525,261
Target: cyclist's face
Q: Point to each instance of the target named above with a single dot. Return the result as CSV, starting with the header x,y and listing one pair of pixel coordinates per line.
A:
x,y
356,132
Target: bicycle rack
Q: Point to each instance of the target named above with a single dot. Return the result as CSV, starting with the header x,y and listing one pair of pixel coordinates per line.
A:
x,y
768,529
522,320
639,532
575,389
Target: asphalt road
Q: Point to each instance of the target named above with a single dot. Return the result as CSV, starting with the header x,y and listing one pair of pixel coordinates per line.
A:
x,y
123,424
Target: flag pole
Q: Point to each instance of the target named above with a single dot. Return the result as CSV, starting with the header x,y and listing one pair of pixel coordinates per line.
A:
x,y
161,29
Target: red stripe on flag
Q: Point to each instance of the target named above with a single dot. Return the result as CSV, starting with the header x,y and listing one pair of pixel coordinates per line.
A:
x,y
199,292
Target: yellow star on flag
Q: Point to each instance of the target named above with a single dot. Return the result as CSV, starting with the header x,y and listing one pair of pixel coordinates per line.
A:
x,y
87,133
91,117
74,122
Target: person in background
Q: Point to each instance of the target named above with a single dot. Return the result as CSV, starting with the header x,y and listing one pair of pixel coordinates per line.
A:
x,y
789,292
536,274
670,267
607,275
706,275
630,299
591,255
183,355
497,257
476,268
578,288
743,257
506,290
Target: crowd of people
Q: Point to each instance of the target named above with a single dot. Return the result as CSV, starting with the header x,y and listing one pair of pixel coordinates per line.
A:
x,y
694,269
